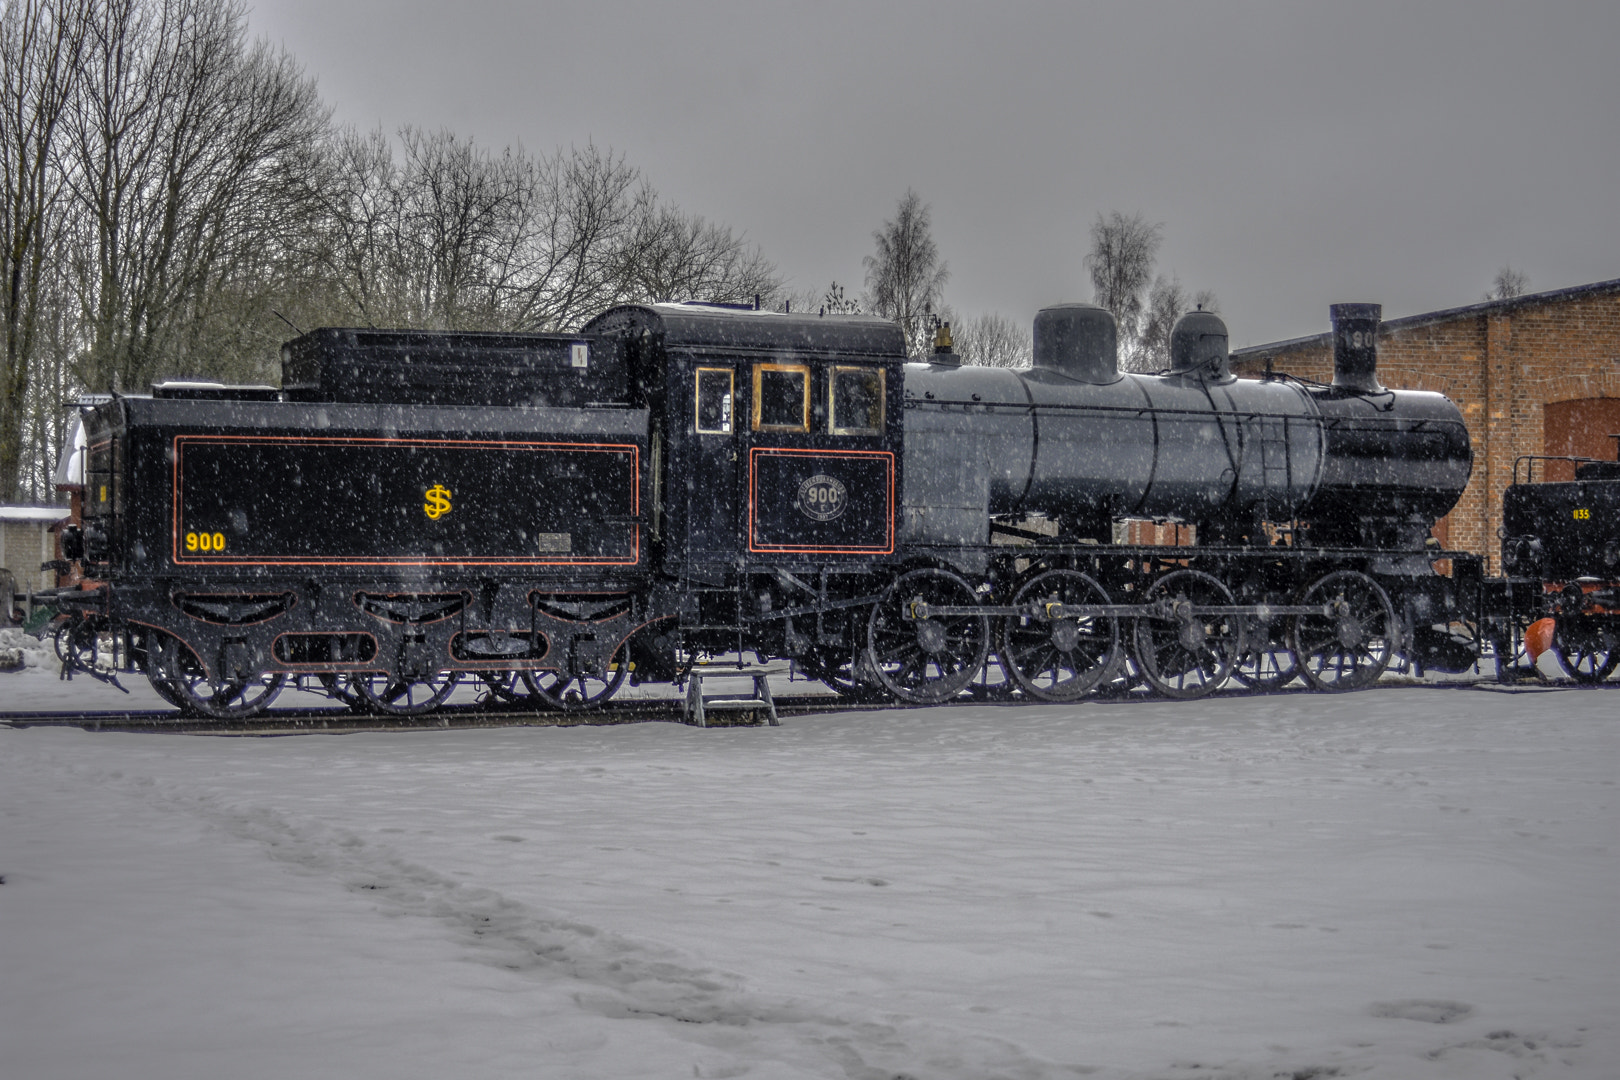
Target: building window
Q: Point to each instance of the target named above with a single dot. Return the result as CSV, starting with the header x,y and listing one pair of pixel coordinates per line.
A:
x,y
856,395
781,397
714,397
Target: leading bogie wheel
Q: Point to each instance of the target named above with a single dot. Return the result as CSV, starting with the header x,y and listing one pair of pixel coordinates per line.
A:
x,y
1586,648
1188,653
921,657
1059,659
404,695
1351,643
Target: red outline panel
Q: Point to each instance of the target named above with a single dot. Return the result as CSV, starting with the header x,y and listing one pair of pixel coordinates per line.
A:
x,y
512,444
752,499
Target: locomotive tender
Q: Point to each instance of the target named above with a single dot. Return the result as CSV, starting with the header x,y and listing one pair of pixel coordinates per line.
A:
x,y
555,513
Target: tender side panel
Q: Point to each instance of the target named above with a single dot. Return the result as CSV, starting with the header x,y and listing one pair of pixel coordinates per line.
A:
x,y
256,500
1577,524
821,501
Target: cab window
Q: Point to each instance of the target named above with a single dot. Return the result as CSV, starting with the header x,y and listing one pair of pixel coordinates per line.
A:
x,y
714,400
781,397
856,405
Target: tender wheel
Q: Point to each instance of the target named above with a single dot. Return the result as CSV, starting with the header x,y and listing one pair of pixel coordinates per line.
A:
x,y
1587,650
340,687
403,697
929,660
1187,655
184,676
508,686
1267,663
157,670
1349,648
1062,659
575,692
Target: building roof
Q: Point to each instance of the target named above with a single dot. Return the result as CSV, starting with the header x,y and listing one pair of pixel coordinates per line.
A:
x,y
44,514
1413,322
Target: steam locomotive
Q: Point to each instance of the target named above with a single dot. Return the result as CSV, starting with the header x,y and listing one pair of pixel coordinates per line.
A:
x,y
555,514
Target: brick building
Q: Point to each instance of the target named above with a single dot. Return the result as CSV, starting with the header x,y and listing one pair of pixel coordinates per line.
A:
x,y
1537,374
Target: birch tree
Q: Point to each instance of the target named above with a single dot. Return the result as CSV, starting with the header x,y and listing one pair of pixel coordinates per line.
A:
x,y
1121,266
905,277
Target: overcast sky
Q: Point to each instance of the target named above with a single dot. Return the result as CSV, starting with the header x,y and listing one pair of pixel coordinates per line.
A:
x,y
1297,155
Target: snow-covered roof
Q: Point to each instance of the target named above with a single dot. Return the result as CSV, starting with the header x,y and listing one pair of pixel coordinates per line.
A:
x,y
33,513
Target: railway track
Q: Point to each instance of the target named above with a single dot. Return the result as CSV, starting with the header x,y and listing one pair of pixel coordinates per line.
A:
x,y
303,721
337,720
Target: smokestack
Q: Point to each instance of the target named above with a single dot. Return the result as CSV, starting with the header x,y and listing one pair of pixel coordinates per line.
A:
x,y
1355,347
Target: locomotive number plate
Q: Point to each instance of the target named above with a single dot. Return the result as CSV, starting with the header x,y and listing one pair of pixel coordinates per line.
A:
x,y
822,497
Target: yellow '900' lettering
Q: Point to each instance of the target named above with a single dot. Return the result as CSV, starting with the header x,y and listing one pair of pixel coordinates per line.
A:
x,y
213,542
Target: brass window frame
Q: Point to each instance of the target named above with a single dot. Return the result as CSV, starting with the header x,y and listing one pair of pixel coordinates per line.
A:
x,y
697,401
833,427
754,419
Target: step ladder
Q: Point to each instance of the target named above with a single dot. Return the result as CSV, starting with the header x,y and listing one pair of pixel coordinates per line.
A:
x,y
698,704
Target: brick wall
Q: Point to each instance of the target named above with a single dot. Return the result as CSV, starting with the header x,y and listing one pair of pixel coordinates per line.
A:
x,y
1502,363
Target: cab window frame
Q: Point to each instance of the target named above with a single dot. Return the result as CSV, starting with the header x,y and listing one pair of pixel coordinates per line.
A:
x,y
756,419
697,401
833,425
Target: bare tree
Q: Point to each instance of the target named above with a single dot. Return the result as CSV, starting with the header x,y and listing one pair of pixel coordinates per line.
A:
x,y
993,340
675,256
1508,284
1167,301
184,144
454,236
1121,266
40,46
905,275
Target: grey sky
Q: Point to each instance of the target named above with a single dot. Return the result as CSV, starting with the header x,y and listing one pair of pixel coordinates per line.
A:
x,y
1298,155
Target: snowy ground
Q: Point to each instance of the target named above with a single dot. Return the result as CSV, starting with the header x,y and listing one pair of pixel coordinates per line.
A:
x,y
1401,883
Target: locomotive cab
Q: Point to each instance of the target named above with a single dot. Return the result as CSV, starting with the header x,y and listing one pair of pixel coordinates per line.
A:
x,y
776,436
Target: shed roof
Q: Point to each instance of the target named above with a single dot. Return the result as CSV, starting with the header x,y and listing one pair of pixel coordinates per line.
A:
x,y
1428,318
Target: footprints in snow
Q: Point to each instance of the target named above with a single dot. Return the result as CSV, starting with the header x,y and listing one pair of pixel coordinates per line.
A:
x,y
625,978
1426,1011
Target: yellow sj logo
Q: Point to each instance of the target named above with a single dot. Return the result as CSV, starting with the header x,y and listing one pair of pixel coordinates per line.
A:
x,y
438,502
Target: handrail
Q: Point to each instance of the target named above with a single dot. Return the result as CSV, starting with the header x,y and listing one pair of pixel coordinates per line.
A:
x,y
1530,469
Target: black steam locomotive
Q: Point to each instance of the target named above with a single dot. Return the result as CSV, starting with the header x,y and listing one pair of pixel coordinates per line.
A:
x,y
554,514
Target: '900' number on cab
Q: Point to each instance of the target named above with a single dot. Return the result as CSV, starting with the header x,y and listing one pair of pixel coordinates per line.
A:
x,y
210,542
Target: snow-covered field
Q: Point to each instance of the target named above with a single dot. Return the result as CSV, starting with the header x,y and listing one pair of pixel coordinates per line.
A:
x,y
1401,883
